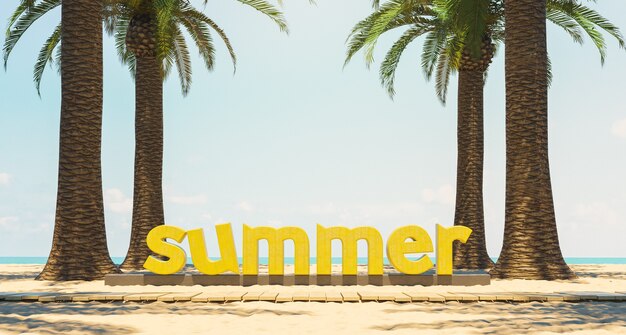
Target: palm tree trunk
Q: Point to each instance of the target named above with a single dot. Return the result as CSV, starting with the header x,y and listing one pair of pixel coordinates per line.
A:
x,y
79,246
469,177
148,192
531,244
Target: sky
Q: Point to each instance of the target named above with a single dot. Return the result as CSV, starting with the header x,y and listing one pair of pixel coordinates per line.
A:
x,y
294,139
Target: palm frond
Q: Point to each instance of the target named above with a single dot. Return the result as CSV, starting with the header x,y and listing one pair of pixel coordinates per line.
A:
x,y
566,23
182,60
433,45
200,17
447,64
588,19
389,16
270,11
45,56
24,6
468,18
22,24
201,35
390,63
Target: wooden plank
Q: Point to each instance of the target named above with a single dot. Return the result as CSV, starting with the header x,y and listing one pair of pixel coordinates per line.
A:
x,y
234,296
215,297
334,297
383,297
415,296
451,296
268,296
465,296
82,297
583,295
350,296
485,296
65,297
399,297
301,296
367,296
594,295
47,298
177,296
208,297
114,296
284,297
97,297
3,295
185,296
144,296
607,296
424,296
510,296
252,296
28,296
317,296
152,296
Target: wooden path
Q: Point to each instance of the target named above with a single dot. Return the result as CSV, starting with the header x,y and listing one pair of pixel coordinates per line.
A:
x,y
344,296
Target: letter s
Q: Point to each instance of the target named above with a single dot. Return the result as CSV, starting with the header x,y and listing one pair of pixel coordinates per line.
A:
x,y
175,254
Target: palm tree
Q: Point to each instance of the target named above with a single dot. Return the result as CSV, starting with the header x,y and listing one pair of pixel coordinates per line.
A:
x,y
79,247
531,245
149,40
452,44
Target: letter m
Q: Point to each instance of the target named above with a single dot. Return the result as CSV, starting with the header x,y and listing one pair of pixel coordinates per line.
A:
x,y
349,238
276,245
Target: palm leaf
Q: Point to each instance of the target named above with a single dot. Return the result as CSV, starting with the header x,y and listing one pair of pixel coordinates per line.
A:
x,y
270,11
390,63
46,55
24,22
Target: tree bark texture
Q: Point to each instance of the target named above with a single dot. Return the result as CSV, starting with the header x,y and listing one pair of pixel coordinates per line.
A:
x,y
531,245
469,178
148,192
79,247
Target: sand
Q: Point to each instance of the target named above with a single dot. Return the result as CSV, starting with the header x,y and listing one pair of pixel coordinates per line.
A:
x,y
593,318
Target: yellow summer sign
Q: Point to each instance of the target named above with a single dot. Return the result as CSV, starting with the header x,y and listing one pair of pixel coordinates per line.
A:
x,y
404,240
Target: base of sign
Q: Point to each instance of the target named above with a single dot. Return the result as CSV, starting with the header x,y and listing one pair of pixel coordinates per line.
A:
x,y
460,278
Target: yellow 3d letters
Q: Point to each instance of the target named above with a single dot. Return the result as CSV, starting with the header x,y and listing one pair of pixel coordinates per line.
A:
x,y
397,247
276,242
445,238
349,238
227,250
156,243
404,240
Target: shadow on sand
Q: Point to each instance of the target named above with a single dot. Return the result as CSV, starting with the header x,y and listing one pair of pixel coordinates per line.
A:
x,y
514,319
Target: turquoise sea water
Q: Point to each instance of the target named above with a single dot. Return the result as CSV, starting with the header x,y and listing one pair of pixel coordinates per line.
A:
x,y
335,260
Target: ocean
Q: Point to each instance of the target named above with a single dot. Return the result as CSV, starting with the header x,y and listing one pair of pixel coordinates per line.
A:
x,y
335,260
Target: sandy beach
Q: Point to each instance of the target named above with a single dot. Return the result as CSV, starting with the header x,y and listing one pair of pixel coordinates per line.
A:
x,y
316,318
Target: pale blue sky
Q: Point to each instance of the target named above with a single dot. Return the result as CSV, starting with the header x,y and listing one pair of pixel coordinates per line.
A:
x,y
292,139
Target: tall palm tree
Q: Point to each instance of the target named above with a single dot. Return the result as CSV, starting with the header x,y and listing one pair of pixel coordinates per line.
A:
x,y
149,40
452,44
79,247
531,246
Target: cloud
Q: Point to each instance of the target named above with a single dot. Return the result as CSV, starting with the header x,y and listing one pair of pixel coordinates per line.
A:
x,y
12,224
619,128
189,200
5,178
117,202
8,223
444,195
597,213
244,206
